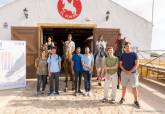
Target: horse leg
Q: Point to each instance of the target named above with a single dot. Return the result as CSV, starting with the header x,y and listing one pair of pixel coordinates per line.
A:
x,y
99,76
66,73
102,74
71,71
71,75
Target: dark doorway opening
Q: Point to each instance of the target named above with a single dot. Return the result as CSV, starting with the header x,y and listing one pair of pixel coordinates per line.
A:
x,y
81,36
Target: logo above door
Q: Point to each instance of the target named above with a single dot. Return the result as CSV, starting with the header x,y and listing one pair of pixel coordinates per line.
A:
x,y
69,9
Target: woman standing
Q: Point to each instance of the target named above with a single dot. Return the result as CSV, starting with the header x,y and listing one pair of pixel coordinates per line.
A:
x,y
49,44
87,64
42,72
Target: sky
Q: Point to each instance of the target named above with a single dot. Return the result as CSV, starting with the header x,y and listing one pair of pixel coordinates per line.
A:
x,y
143,8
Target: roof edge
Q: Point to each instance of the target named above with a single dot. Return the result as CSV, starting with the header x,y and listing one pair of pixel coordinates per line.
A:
x,y
132,12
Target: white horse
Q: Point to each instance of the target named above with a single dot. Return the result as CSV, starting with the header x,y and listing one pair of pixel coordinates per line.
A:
x,y
69,6
99,59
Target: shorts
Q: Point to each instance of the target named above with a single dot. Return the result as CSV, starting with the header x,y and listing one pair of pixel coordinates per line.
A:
x,y
129,80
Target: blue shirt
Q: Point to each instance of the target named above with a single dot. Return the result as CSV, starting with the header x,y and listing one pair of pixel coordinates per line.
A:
x,y
54,61
77,66
128,60
87,59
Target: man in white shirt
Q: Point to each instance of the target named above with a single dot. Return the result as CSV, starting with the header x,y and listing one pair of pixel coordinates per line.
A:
x,y
70,45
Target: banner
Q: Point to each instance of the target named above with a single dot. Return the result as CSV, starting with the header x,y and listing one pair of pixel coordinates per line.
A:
x,y
12,64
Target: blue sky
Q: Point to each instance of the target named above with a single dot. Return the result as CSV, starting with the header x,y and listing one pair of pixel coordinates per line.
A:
x,y
144,9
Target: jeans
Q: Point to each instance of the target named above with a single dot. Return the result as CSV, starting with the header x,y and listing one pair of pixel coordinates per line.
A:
x,y
54,82
41,81
87,80
77,81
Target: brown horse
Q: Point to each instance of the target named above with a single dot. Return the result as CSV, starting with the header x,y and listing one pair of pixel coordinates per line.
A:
x,y
67,64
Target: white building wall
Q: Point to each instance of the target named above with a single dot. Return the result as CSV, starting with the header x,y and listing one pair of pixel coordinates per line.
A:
x,y
137,30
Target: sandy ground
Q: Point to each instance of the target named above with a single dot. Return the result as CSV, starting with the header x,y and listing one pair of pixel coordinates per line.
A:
x,y
24,101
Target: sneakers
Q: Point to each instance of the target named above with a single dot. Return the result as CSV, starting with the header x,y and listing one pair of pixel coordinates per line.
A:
x,y
57,93
89,94
137,104
53,94
122,101
38,93
86,94
79,91
76,94
104,100
112,101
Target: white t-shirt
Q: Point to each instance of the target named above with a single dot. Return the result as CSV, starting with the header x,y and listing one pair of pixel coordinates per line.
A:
x,y
70,46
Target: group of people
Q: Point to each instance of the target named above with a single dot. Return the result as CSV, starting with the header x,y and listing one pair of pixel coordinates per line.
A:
x,y
118,64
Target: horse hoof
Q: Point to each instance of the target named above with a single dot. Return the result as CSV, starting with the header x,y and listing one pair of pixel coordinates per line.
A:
x,y
99,84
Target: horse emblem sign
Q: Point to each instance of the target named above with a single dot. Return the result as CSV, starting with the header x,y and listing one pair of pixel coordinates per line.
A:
x,y
69,9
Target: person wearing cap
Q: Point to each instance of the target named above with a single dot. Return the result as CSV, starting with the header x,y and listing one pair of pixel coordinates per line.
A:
x,y
54,67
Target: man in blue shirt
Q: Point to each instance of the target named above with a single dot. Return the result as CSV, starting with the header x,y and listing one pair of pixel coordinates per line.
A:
x,y
87,63
54,67
77,67
129,63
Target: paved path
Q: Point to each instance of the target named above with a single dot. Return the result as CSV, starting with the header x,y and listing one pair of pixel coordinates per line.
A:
x,y
24,101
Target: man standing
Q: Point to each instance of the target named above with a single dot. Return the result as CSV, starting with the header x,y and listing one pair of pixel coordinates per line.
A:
x,y
70,44
77,67
87,63
129,63
54,67
111,65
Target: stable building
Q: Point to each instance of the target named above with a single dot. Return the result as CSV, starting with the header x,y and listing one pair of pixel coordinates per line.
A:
x,y
34,21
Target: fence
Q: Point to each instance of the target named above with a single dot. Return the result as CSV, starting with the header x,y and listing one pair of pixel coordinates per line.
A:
x,y
152,63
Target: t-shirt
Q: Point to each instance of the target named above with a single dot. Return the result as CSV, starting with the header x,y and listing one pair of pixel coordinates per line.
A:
x,y
111,61
42,66
70,46
54,61
77,66
49,45
128,60
87,59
